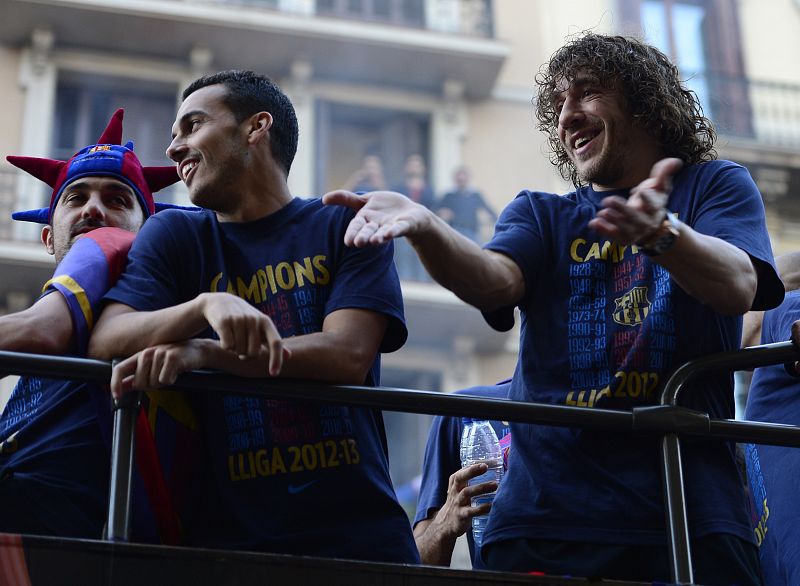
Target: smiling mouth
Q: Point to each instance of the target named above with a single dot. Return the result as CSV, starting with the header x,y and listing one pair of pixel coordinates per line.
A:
x,y
187,169
581,144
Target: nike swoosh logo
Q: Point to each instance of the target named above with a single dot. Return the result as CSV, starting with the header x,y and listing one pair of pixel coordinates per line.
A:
x,y
300,487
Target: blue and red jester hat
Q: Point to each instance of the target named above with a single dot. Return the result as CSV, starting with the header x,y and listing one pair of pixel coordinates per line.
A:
x,y
107,158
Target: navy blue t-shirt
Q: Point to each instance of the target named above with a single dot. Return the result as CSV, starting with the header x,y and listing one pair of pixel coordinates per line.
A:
x,y
442,458
602,326
283,476
774,471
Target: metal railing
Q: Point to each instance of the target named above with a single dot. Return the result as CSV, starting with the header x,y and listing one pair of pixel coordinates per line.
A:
x,y
667,418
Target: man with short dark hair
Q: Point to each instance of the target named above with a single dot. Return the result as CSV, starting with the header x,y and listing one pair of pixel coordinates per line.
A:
x,y
650,262
283,476
54,458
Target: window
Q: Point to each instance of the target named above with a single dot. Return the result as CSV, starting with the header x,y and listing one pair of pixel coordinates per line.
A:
x,y
84,105
677,29
401,12
702,39
366,149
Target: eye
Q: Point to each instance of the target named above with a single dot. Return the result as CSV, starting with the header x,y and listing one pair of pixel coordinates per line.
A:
x,y
73,198
193,124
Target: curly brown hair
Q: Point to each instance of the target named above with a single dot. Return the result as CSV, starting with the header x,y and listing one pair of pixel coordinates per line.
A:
x,y
650,85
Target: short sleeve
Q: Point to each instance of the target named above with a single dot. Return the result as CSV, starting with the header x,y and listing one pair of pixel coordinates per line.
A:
x,y
519,236
731,209
366,278
85,274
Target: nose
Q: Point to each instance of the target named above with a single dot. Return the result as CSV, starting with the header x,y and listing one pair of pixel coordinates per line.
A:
x,y
176,149
571,112
94,208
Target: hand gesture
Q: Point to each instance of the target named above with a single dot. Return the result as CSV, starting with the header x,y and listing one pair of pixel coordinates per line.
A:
x,y
634,220
242,328
381,216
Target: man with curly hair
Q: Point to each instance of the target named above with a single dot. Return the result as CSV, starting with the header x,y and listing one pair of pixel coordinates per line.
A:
x,y
648,263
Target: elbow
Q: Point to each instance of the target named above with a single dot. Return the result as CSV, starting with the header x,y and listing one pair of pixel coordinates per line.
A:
x,y
41,342
735,300
354,369
98,348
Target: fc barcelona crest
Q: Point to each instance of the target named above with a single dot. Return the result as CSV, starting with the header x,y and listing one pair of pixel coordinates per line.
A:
x,y
632,308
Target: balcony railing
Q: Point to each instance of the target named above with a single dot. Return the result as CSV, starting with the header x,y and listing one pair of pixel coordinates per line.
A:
x,y
763,111
462,17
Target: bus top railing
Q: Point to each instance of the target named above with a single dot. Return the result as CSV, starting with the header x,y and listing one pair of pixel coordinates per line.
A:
x,y
667,419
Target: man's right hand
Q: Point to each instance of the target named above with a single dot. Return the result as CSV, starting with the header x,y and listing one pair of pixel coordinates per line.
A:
x,y
381,216
455,517
242,328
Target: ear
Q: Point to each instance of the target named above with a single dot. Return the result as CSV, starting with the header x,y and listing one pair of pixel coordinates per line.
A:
x,y
259,125
47,239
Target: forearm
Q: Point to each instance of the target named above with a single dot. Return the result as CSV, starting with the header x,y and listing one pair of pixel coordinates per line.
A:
x,y
19,333
712,271
44,328
124,334
482,278
215,357
435,545
325,356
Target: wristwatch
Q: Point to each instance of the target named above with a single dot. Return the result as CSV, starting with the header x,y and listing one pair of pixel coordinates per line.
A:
x,y
663,238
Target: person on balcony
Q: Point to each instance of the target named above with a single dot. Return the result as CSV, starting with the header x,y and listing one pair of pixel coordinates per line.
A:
x,y
463,207
54,434
648,263
368,177
283,476
444,511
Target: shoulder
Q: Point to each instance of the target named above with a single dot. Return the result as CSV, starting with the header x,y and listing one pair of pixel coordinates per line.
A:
x,y
782,317
498,391
710,173
179,217
312,209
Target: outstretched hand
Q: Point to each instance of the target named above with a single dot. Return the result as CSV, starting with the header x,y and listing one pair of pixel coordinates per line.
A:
x,y
635,219
380,216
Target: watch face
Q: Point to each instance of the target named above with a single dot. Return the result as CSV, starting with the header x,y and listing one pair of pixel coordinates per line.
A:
x,y
664,241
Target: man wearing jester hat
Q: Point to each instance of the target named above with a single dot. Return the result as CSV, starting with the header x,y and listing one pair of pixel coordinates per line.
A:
x,y
54,459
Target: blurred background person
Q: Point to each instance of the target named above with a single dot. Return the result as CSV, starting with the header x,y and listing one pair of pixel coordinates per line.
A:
x,y
464,207
369,177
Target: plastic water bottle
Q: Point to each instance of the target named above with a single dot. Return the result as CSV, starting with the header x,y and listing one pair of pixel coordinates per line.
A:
x,y
479,444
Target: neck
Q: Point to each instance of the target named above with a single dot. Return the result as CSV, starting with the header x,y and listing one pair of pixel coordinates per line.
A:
x,y
259,197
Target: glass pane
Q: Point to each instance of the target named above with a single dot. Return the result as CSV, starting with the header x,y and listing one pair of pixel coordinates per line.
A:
x,y
84,105
413,12
382,8
654,24
691,55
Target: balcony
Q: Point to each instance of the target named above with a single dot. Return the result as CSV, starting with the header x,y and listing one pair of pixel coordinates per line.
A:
x,y
759,111
409,45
